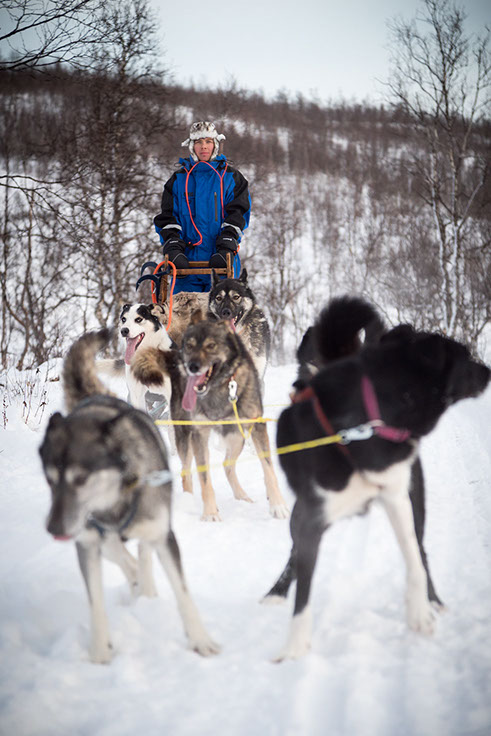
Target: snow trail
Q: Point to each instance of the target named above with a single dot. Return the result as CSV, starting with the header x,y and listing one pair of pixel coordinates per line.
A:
x,y
366,674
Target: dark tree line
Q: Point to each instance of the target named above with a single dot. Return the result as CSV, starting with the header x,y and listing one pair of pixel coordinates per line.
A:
x,y
345,197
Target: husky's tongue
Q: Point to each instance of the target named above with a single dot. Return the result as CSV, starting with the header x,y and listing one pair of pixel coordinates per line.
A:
x,y
131,345
189,399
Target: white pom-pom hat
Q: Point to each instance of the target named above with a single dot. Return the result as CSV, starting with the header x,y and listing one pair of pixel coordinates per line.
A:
x,y
203,129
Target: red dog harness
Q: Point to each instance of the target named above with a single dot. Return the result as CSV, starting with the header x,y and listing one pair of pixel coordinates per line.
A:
x,y
375,424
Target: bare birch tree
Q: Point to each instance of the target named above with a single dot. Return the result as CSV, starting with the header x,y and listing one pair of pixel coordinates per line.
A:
x,y
441,76
43,33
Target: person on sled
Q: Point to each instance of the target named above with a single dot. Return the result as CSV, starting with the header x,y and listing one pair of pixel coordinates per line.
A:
x,y
205,208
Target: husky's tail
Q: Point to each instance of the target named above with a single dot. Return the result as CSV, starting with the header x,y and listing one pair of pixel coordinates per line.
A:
x,y
151,366
337,332
79,369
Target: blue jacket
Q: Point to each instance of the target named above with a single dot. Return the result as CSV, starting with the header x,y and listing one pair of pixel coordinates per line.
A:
x,y
199,200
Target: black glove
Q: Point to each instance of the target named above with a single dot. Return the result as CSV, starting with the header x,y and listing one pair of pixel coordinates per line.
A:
x,y
227,241
174,250
174,242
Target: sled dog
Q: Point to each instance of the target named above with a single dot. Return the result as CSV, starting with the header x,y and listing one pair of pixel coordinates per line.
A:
x,y
213,370
233,300
229,299
139,327
362,322
107,469
384,397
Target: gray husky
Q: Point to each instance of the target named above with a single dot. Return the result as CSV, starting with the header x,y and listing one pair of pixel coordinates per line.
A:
x,y
234,301
210,374
107,468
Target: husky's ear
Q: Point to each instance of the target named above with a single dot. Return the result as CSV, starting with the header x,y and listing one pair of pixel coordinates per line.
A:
x,y
243,275
56,421
196,317
145,312
125,308
401,334
215,278
156,309
56,432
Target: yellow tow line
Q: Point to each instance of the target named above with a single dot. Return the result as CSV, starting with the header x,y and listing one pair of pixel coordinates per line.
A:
x,y
286,449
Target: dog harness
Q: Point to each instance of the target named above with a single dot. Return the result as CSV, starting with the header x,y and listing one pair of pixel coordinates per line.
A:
x,y
154,478
373,412
375,424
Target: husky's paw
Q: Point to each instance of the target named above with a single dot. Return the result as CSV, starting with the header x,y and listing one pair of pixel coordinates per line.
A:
x,y
299,636
205,646
242,496
292,652
421,617
148,590
439,607
101,653
279,511
211,517
273,600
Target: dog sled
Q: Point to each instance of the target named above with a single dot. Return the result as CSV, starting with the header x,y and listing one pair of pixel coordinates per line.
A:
x,y
162,279
164,274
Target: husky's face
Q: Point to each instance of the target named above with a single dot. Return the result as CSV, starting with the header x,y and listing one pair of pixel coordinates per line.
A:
x,y
207,353
85,472
231,299
137,322
429,372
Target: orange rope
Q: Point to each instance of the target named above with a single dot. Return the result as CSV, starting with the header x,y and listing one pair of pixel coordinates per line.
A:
x,y
171,296
187,195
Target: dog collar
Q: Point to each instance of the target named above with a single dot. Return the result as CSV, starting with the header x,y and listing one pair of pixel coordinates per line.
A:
x,y
123,524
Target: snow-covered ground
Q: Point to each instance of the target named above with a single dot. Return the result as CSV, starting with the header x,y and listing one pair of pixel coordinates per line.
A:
x,y
366,673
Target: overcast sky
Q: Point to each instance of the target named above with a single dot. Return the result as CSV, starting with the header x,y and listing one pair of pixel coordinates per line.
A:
x,y
327,48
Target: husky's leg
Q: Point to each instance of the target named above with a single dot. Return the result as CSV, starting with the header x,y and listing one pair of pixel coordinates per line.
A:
x,y
279,591
307,527
136,391
198,638
277,505
185,452
89,558
114,550
234,443
398,507
147,583
200,439
417,498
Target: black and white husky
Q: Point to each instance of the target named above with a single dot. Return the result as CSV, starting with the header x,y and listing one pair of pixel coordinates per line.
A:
x,y
382,398
109,477
140,328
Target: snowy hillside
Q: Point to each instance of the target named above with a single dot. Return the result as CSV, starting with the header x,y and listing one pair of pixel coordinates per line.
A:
x,y
367,674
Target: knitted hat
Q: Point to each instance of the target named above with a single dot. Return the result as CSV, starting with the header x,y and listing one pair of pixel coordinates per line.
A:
x,y
203,129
